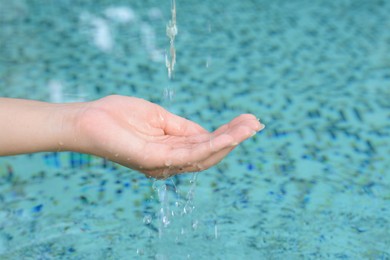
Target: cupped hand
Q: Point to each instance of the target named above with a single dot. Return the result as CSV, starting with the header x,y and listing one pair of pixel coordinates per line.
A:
x,y
144,136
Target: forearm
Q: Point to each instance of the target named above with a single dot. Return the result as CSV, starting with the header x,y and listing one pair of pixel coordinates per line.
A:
x,y
28,126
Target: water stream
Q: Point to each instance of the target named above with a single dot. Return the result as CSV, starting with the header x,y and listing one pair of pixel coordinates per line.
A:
x,y
173,217
171,30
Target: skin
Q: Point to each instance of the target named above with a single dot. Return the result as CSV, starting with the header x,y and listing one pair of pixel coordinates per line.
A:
x,y
127,130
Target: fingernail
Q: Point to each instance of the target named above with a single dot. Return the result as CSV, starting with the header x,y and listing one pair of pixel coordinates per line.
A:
x,y
253,133
262,126
234,144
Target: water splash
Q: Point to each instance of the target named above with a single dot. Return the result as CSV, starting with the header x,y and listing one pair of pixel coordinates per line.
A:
x,y
189,205
164,218
175,208
168,94
148,219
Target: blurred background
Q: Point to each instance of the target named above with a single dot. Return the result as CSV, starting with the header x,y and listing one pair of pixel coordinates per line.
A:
x,y
314,184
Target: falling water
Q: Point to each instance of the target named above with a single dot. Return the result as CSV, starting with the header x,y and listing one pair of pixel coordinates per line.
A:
x,y
174,217
173,204
170,56
171,33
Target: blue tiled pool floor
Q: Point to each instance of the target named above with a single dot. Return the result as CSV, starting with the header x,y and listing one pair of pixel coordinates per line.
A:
x,y
313,185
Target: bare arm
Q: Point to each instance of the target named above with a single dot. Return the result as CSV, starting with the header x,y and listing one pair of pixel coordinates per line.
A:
x,y
130,131
28,126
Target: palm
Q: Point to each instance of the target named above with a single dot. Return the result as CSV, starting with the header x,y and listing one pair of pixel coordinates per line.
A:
x,y
144,136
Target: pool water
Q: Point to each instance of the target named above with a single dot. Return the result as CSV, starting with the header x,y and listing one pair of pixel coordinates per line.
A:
x,y
314,184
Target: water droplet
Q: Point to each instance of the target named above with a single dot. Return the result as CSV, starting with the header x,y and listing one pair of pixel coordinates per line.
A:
x,y
195,224
140,251
162,192
168,94
187,209
165,221
147,219
168,163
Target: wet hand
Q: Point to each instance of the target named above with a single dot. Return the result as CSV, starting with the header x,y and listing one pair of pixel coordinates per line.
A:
x,y
144,136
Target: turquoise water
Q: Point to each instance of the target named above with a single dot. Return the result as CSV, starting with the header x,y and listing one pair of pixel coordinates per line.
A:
x,y
313,185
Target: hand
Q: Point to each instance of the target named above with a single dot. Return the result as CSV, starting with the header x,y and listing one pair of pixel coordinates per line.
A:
x,y
144,136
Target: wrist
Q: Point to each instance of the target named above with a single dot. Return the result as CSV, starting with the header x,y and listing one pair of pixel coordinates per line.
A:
x,y
67,133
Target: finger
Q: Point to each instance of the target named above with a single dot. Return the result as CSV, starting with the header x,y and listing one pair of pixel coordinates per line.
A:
x,y
165,172
179,126
244,119
199,152
195,149
239,133
189,153
210,161
182,166
197,139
